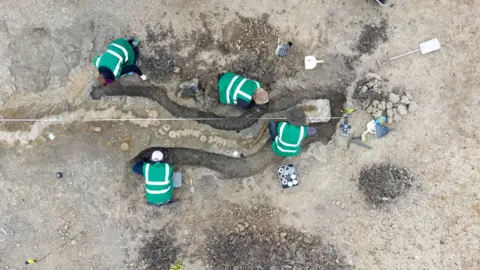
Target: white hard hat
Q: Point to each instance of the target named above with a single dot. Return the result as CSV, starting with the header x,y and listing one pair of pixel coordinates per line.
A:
x,y
157,156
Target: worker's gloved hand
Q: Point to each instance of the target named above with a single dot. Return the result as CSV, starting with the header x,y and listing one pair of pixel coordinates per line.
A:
x,y
311,131
143,77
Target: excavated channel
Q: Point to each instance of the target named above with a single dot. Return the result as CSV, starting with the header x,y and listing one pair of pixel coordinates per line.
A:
x,y
159,95
246,120
231,167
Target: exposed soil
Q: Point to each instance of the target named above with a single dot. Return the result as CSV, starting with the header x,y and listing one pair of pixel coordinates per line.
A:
x,y
251,238
158,251
371,36
384,182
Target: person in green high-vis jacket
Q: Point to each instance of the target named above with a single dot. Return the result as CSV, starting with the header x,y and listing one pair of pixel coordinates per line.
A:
x,y
288,136
158,179
237,90
119,59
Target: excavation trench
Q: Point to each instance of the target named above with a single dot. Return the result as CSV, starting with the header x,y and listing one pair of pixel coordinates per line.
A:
x,y
231,167
246,120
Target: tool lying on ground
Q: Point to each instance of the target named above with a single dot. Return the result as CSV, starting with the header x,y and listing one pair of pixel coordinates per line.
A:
x,y
192,187
311,62
425,47
356,141
57,248
345,131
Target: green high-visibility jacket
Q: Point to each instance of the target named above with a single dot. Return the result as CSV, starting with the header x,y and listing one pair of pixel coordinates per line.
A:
x,y
118,54
233,87
289,138
158,182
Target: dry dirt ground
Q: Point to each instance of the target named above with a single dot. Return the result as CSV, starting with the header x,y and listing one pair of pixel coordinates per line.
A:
x,y
327,222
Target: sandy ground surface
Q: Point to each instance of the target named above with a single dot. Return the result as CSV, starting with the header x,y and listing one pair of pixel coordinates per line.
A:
x,y
324,223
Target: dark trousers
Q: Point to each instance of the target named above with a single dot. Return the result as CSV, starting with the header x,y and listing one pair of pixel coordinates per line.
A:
x,y
272,129
138,167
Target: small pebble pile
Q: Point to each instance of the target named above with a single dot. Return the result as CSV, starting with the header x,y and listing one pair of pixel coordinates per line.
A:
x,y
379,101
247,238
158,251
384,182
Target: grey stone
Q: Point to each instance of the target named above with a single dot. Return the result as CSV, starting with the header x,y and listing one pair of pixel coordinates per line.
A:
x,y
394,98
96,129
402,109
412,107
364,89
176,70
77,101
124,146
307,240
370,84
381,106
283,235
374,110
153,114
375,103
377,114
373,76
292,247
240,227
369,109
300,258
409,95
389,105
389,112
390,120
190,88
397,117
365,104
405,100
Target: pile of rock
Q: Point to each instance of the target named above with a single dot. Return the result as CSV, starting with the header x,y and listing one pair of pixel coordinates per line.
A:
x,y
373,83
378,101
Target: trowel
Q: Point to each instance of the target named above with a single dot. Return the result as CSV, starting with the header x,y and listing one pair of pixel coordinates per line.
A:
x,y
425,47
311,62
192,187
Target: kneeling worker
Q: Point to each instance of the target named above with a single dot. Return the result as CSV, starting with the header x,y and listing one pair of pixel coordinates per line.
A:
x,y
237,90
158,179
288,136
120,58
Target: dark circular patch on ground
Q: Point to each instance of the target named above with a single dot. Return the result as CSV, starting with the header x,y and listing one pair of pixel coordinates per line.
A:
x,y
371,36
384,182
158,251
250,238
